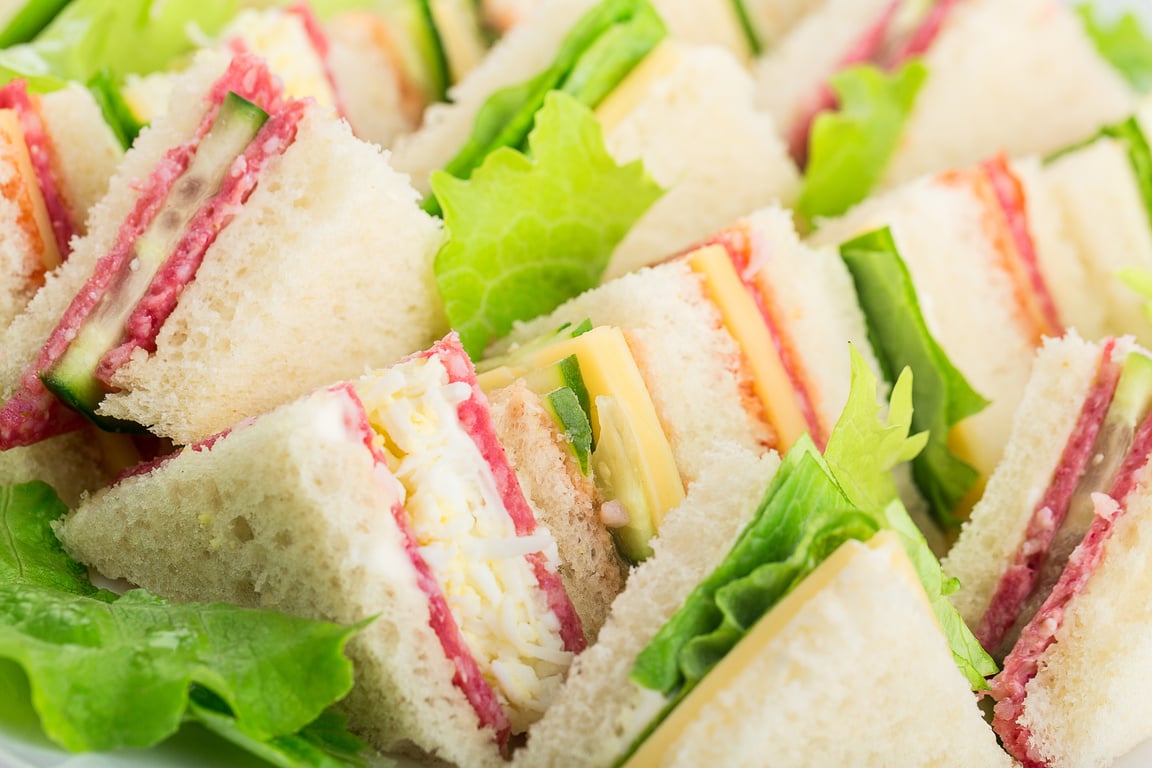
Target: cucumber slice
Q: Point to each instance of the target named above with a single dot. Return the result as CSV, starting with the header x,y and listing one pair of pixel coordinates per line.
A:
x,y
565,407
25,22
73,377
419,46
518,356
461,35
115,108
616,463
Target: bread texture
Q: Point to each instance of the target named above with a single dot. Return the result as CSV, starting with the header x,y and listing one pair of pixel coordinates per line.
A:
x,y
1062,376
71,464
1098,194
694,538
1093,673
939,229
700,136
692,367
565,501
290,513
805,698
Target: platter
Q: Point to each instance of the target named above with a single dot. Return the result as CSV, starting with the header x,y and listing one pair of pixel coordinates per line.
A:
x,y
23,745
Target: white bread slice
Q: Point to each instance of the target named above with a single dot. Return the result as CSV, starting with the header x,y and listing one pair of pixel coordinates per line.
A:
x,y
693,368
854,651
1062,375
289,513
1087,704
86,150
774,19
288,298
1097,192
371,87
938,229
585,726
701,138
565,501
71,464
1002,75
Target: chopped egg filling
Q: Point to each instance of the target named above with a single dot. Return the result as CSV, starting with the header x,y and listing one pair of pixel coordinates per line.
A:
x,y
467,537
281,39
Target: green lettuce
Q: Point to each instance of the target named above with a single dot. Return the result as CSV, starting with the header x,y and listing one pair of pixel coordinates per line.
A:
x,y
812,506
1123,43
108,671
1140,281
901,338
528,232
595,56
850,147
26,22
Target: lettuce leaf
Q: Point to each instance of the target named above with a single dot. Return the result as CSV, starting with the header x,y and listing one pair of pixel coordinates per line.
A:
x,y
850,147
29,20
861,453
941,394
595,56
109,671
1123,42
528,233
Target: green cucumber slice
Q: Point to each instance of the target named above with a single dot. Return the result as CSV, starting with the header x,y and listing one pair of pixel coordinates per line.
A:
x,y
73,377
614,460
564,406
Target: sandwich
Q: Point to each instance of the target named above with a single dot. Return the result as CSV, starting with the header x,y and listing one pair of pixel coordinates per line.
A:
x,y
740,641
386,501
745,27
1103,191
655,101
208,288
907,74
1054,563
993,234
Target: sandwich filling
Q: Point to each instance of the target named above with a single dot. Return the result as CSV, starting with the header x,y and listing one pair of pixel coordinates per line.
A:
x,y
1006,226
195,191
506,621
1110,444
30,131
778,373
906,28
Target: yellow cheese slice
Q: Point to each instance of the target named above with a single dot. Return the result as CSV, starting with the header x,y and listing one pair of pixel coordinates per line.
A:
x,y
624,97
25,190
656,746
746,325
609,370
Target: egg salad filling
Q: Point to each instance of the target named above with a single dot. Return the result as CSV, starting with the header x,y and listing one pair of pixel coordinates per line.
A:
x,y
467,537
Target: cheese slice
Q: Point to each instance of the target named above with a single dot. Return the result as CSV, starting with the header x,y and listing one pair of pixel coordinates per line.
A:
x,y
746,325
24,190
609,370
886,543
619,104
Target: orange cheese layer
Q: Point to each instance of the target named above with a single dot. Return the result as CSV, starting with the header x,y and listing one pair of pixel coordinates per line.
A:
x,y
23,190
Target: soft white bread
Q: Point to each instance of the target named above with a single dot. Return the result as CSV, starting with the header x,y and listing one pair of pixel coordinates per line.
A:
x,y
939,230
290,513
692,367
815,300
701,138
71,464
1099,197
290,295
86,150
1002,75
598,699
1062,376
774,19
565,501
801,696
1096,672
369,80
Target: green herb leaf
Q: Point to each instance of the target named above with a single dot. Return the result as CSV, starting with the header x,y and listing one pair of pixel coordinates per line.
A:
x,y
528,233
941,394
107,672
1123,43
850,148
599,52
